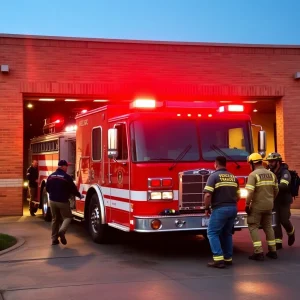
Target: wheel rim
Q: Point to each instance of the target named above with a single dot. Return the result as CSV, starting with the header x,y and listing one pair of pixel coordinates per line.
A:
x,y
95,219
45,204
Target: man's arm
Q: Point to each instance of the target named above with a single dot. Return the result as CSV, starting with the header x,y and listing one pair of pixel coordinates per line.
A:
x,y
208,190
285,180
276,189
238,191
207,200
29,174
73,189
250,187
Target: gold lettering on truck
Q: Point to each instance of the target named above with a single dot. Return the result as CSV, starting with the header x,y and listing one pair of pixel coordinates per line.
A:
x,y
83,122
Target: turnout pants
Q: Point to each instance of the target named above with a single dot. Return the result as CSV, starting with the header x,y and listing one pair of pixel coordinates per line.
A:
x,y
61,212
283,214
263,218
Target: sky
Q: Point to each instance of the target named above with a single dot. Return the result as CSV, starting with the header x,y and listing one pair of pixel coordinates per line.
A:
x,y
217,21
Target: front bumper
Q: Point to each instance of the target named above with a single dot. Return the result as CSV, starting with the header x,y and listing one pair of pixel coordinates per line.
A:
x,y
185,222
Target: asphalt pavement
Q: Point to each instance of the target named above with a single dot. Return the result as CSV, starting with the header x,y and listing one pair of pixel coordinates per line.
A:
x,y
139,266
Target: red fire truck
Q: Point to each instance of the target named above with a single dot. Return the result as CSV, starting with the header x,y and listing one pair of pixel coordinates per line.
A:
x,y
48,149
143,166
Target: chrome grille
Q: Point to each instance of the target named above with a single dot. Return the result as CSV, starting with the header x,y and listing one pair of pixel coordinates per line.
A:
x,y
191,186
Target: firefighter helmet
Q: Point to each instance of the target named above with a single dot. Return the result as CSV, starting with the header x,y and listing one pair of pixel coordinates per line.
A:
x,y
274,156
254,158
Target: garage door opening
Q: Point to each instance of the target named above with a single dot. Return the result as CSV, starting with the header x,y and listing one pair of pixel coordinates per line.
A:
x,y
59,115
38,109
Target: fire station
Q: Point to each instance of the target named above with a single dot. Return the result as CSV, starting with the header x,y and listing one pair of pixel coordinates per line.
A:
x,y
48,72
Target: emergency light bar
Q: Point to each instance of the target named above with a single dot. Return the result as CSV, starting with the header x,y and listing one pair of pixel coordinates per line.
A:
x,y
231,108
143,103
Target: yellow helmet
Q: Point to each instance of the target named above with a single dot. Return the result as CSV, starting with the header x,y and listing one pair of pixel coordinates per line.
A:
x,y
254,158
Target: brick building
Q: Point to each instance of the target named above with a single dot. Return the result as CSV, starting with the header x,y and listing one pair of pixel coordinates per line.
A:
x,y
120,69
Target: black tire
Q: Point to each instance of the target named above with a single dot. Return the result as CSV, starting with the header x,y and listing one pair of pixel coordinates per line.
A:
x,y
45,206
98,231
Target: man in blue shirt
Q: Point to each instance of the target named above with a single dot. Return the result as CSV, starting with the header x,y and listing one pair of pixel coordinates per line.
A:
x,y
60,187
221,193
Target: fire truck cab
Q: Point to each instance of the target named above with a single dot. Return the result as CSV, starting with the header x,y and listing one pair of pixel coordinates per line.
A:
x,y
143,167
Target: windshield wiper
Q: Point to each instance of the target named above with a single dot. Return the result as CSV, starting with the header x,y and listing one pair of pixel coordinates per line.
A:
x,y
181,156
218,150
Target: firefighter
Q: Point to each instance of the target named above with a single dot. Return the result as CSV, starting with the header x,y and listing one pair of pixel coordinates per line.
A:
x,y
221,193
32,176
262,189
282,205
60,186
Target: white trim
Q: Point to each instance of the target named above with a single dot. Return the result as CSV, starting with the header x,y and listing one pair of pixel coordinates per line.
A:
x,y
48,163
11,182
120,205
138,195
117,204
122,193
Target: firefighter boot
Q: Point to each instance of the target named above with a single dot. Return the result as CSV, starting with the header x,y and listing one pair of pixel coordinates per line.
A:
x,y
291,239
278,246
257,256
217,264
272,254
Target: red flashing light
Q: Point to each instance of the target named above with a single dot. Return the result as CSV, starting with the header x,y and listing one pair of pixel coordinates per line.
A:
x,y
210,115
155,183
167,182
57,121
241,180
84,111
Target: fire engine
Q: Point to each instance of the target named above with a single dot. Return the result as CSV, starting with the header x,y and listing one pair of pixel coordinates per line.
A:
x,y
143,166
48,149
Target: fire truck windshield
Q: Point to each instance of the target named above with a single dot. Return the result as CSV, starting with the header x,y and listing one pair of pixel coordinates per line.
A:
x,y
225,137
164,140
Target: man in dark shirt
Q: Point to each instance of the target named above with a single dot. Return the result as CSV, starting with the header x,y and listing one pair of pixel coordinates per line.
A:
x,y
32,176
221,193
283,201
60,187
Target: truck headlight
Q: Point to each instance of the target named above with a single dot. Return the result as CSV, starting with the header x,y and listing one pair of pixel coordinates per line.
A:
x,y
244,193
167,195
155,196
160,195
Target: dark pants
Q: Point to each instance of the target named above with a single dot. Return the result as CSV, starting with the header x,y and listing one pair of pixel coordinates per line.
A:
x,y
219,232
61,212
32,196
283,214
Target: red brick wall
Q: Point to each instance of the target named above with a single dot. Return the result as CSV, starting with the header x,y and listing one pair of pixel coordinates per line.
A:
x,y
119,69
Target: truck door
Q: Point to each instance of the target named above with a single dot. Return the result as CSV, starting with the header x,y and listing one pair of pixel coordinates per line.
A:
x,y
119,179
83,181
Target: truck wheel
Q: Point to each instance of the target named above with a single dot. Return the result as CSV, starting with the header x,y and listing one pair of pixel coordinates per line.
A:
x,y
98,231
46,209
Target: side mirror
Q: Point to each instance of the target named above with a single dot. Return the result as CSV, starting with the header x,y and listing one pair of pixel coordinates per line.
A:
x,y
112,143
262,143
